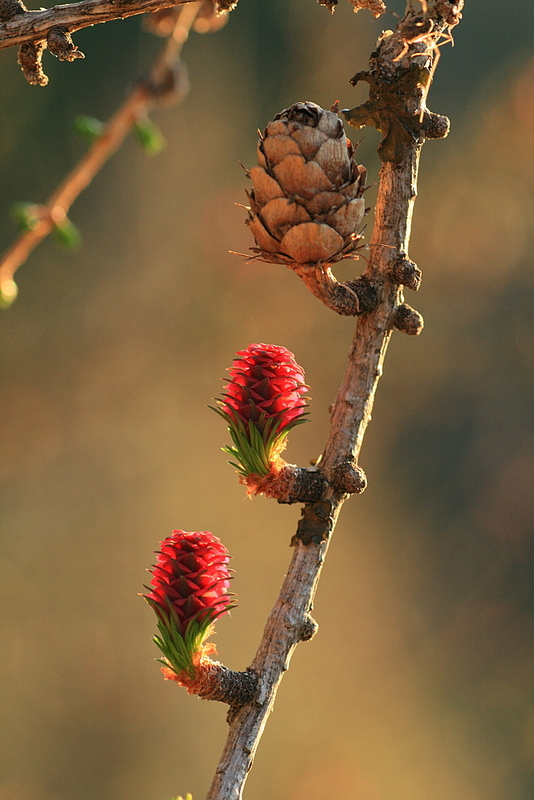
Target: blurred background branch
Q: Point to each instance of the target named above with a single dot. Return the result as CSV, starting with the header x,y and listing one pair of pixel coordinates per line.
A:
x,y
165,83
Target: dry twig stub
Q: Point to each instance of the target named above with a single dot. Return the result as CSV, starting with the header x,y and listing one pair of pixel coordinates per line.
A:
x,y
399,83
61,45
30,59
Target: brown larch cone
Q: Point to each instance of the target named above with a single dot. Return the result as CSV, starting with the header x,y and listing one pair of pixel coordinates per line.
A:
x,y
306,204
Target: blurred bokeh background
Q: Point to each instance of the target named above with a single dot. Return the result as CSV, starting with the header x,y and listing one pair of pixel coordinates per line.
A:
x,y
419,685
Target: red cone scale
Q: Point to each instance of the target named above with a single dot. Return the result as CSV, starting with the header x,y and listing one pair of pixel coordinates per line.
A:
x,y
266,383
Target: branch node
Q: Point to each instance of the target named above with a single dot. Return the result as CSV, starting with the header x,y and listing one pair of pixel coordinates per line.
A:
x,y
436,126
408,320
61,45
367,293
349,478
316,524
309,629
170,86
406,272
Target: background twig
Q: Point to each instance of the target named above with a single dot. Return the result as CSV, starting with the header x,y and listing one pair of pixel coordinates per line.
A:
x,y
162,84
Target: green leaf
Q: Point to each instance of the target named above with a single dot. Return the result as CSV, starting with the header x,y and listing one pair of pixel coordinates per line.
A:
x,y
253,448
88,128
178,649
67,235
149,136
25,215
8,293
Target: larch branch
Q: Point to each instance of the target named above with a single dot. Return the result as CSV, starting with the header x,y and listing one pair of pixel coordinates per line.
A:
x,y
290,620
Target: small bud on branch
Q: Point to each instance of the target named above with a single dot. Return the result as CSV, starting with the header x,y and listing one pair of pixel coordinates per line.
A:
x,y
406,272
349,478
408,320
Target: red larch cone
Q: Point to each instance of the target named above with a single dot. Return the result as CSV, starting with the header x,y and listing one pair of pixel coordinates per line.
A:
x,y
262,402
188,592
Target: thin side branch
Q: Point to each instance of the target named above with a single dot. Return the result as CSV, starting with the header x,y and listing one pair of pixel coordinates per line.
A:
x,y
214,681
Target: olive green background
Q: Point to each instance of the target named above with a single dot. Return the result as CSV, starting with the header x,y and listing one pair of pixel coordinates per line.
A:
x,y
419,684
